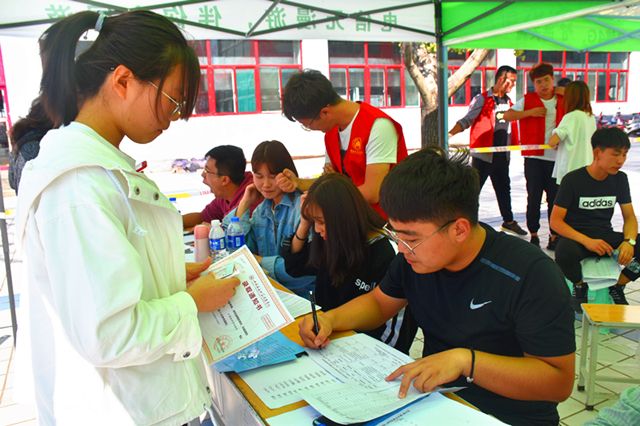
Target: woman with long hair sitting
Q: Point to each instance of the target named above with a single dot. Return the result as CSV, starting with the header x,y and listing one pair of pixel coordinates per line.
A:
x,y
347,251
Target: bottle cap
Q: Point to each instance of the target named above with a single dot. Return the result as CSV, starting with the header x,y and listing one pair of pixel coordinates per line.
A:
x,y
235,219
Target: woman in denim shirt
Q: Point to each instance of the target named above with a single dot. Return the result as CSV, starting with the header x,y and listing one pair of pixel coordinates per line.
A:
x,y
275,220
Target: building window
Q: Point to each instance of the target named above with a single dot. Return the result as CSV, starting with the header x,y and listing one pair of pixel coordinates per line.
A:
x,y
480,80
244,76
371,72
605,73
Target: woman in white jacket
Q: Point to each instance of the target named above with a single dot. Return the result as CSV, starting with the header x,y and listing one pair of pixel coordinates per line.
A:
x,y
112,321
572,137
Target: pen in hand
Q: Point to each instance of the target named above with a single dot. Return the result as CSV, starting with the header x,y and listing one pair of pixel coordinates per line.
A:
x,y
312,299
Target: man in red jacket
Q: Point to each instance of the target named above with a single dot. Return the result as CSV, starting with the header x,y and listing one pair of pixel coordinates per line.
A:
x,y
489,129
361,141
539,113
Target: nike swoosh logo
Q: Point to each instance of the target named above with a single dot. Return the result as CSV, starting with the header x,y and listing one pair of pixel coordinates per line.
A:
x,y
474,306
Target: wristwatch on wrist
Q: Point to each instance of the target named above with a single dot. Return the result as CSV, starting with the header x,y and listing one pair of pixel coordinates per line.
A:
x,y
631,241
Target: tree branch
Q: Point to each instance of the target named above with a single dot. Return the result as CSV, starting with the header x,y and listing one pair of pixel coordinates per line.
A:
x,y
464,72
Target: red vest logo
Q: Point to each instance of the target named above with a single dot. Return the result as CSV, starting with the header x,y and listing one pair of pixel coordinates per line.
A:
x,y
356,146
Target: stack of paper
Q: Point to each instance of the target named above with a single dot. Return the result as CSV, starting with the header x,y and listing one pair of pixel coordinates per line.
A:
x,y
436,409
344,381
600,272
361,363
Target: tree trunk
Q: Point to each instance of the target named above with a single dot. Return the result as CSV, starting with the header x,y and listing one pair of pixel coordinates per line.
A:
x,y
421,62
429,128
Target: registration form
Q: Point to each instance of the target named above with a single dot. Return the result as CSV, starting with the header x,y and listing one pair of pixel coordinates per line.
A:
x,y
254,312
347,375
281,384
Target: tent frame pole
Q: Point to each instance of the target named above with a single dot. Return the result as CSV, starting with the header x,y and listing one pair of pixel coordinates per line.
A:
x,y
7,265
564,46
615,40
443,80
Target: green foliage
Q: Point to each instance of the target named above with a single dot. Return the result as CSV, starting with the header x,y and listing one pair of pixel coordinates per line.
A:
x,y
519,53
431,48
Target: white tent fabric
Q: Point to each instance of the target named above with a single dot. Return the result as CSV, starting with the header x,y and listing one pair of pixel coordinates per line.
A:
x,y
371,20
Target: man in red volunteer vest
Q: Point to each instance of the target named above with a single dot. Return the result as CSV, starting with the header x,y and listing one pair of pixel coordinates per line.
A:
x,y
361,141
539,112
489,129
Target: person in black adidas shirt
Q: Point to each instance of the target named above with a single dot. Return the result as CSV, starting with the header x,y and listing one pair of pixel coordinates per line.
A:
x,y
583,210
348,253
493,308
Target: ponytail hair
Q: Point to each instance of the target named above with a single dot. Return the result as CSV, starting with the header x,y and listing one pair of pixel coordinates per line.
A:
x,y
36,121
147,43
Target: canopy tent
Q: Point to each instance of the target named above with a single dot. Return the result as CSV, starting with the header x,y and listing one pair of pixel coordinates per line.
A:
x,y
576,25
610,25
607,26
372,20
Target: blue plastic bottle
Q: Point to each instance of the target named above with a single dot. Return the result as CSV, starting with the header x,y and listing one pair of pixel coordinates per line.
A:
x,y
217,243
235,235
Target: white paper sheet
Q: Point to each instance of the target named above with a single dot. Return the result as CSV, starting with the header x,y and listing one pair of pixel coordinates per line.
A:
x,y
351,403
361,363
600,272
437,409
359,359
280,385
301,416
188,238
255,311
296,305
600,267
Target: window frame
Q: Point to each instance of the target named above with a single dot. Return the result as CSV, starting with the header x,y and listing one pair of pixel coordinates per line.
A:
x,y
367,67
485,85
584,71
210,69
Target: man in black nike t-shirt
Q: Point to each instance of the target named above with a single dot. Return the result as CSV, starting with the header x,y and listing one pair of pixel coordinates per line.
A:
x,y
582,216
494,309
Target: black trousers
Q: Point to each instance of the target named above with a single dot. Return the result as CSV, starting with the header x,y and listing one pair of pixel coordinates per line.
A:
x,y
498,171
538,175
569,253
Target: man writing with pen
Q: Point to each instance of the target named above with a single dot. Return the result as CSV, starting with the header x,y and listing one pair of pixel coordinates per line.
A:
x,y
494,309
